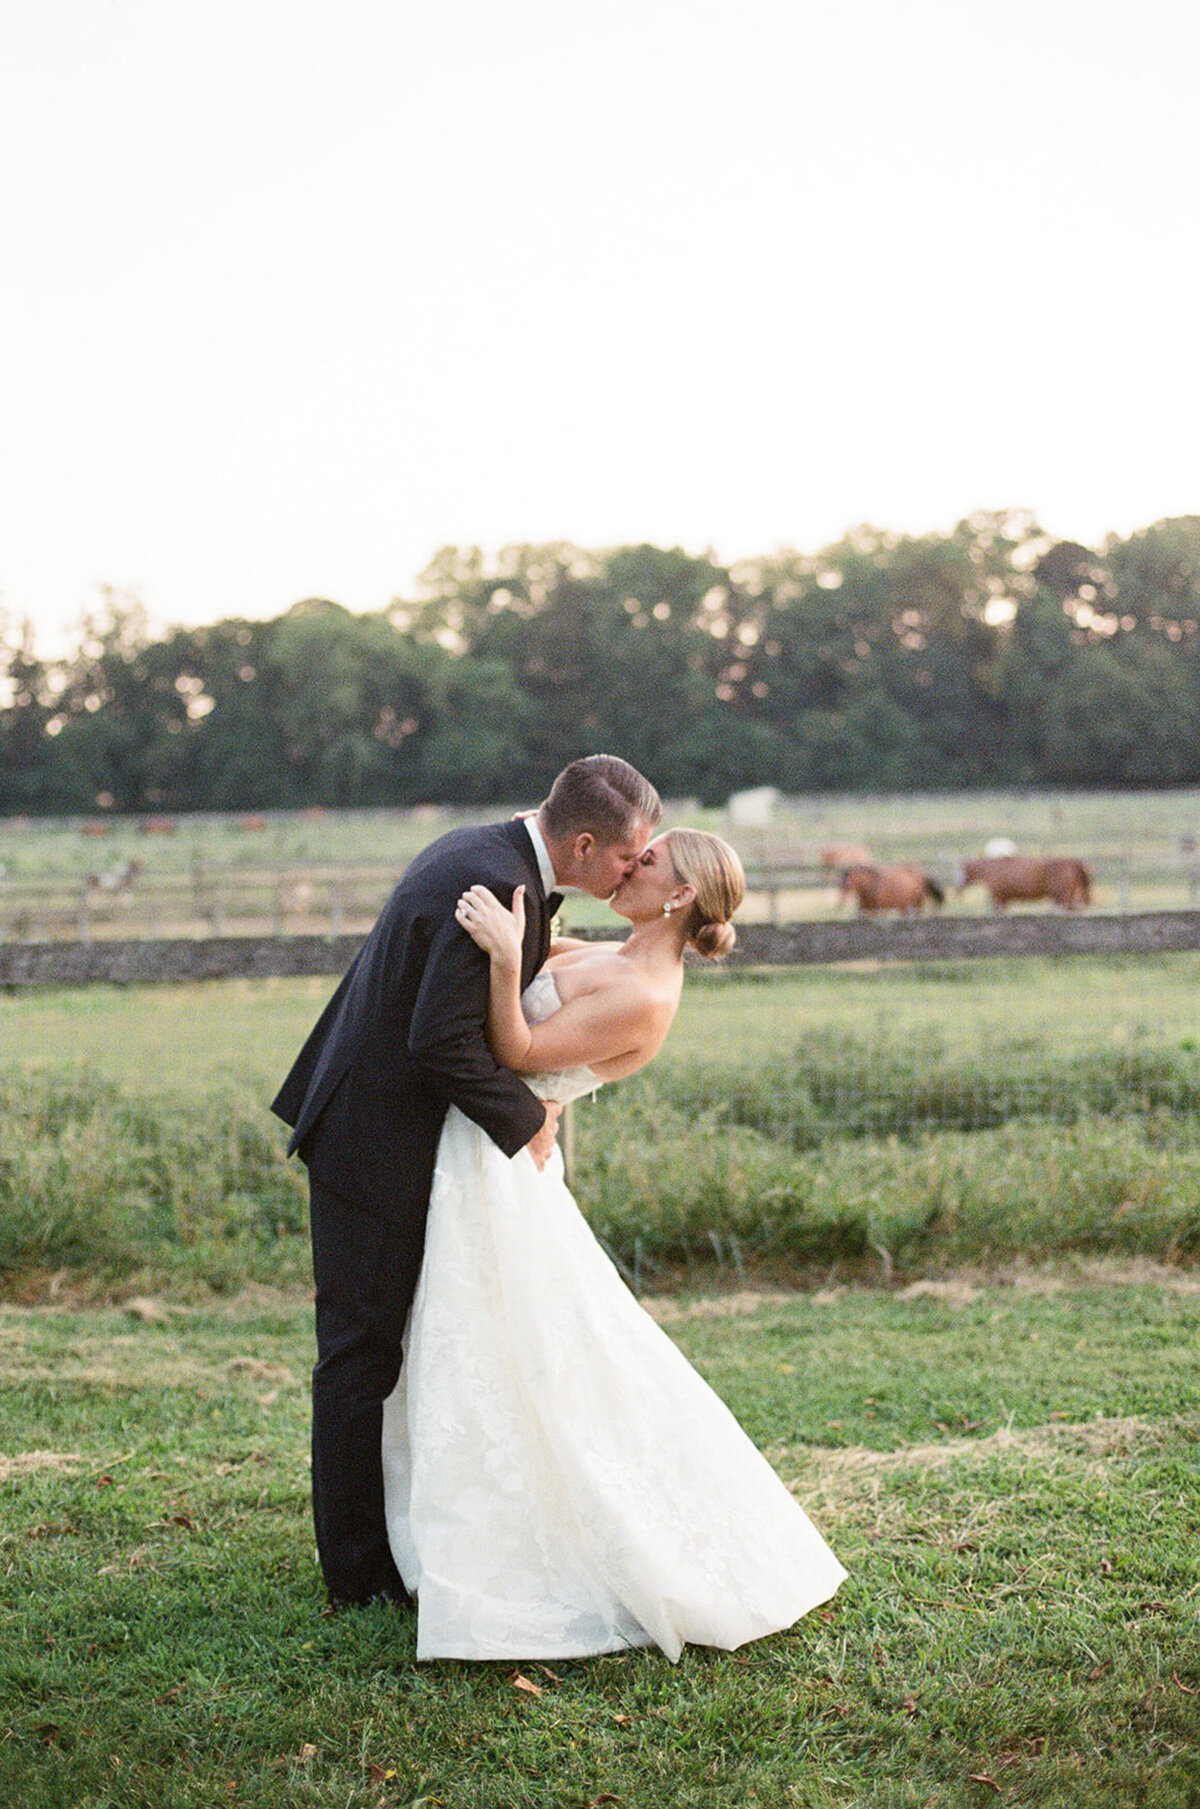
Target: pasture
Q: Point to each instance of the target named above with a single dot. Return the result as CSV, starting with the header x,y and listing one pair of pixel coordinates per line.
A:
x,y
301,870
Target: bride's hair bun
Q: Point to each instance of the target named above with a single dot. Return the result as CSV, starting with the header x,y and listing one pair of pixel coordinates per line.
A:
x,y
712,940
714,872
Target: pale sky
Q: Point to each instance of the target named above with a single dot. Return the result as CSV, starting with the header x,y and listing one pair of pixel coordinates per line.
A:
x,y
297,291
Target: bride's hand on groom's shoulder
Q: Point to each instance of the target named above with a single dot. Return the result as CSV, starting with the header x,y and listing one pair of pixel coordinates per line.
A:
x,y
497,931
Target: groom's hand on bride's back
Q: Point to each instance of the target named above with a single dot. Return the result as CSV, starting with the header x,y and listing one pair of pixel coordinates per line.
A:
x,y
540,1145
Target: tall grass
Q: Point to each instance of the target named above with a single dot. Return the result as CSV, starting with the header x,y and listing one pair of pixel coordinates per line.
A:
x,y
105,1182
895,1121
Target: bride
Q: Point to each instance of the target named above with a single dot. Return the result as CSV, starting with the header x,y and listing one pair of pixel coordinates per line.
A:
x,y
559,1481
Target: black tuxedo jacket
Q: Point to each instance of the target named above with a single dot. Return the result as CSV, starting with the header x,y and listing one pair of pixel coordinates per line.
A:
x,y
403,1038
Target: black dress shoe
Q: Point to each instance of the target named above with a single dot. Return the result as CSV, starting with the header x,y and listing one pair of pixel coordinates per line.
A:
x,y
395,1594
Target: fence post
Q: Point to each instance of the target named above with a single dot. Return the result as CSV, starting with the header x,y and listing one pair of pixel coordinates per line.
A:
x,y
566,1133
197,889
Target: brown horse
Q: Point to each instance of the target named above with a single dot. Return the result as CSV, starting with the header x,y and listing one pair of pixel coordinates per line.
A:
x,y
1016,878
898,888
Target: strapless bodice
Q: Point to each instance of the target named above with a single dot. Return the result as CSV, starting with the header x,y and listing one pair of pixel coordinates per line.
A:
x,y
539,1001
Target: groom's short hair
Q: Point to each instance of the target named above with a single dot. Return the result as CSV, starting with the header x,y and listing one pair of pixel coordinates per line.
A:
x,y
600,793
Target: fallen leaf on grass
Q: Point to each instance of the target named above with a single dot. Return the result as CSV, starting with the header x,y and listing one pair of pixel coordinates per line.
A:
x,y
169,1696
984,1777
1186,1688
378,1775
522,1683
1097,1674
306,1754
552,1675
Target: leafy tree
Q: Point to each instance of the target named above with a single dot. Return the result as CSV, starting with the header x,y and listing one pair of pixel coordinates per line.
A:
x,y
348,695
1155,579
27,706
480,744
121,726
989,655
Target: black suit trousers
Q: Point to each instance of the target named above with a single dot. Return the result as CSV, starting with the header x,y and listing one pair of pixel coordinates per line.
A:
x,y
366,1269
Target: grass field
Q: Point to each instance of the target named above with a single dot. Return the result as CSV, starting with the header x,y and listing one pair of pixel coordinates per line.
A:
x,y
1008,1472
999,1436
928,826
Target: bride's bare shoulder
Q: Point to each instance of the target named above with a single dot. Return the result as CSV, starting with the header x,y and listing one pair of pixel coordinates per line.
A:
x,y
596,955
598,969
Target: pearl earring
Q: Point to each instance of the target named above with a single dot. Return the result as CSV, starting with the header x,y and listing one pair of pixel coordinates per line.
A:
x,y
668,908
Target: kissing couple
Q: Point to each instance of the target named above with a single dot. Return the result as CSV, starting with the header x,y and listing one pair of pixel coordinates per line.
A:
x,y
499,1430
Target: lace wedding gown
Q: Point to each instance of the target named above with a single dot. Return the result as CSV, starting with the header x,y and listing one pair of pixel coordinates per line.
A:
x,y
559,1480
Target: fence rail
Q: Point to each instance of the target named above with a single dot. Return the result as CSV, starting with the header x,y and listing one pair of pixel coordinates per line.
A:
x,y
341,900
145,960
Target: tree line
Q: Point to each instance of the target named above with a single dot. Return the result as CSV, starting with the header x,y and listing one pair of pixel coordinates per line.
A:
x,y
993,655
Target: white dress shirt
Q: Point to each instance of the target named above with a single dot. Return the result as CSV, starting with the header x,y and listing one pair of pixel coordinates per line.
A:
x,y
545,865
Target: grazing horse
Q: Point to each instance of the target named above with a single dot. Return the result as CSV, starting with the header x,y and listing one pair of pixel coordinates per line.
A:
x,y
1016,878
899,888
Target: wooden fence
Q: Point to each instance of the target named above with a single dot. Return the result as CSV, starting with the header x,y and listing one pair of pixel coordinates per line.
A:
x,y
344,900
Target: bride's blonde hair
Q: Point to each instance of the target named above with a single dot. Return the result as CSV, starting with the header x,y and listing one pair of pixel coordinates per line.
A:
x,y
710,866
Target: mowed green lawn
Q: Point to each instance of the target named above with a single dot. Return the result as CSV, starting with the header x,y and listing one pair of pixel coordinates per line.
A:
x,y
1008,1472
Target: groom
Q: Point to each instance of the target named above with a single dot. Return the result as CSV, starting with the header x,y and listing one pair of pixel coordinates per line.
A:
x,y
401,1040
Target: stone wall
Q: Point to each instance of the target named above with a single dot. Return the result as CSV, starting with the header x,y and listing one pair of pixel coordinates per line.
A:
x,y
143,962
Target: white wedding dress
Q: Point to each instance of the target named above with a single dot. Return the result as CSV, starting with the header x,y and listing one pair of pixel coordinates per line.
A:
x,y
559,1480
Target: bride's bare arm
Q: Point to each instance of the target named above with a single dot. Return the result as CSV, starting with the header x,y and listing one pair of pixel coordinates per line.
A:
x,y
499,934
614,1026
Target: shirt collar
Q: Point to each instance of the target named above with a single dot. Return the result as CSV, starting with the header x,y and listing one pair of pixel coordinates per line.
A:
x,y
545,865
